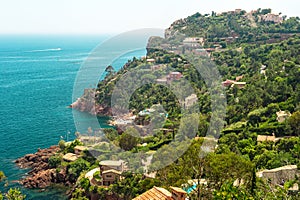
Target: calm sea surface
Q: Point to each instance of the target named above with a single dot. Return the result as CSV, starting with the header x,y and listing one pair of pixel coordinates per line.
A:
x,y
37,74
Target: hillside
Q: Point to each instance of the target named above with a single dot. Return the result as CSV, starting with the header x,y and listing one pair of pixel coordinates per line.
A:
x,y
258,62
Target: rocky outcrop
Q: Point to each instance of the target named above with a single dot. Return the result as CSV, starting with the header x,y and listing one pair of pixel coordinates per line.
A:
x,y
93,108
87,103
172,30
41,175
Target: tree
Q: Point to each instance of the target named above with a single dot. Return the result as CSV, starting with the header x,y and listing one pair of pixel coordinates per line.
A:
x,y
111,134
255,116
220,168
54,161
75,168
294,123
129,139
62,144
229,191
15,194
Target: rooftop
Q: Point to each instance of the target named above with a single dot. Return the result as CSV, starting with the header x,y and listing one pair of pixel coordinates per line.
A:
x,y
283,113
80,148
111,163
177,73
263,138
70,157
156,193
179,190
287,167
112,171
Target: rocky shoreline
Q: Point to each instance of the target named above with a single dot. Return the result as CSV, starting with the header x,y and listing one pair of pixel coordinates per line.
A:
x,y
40,174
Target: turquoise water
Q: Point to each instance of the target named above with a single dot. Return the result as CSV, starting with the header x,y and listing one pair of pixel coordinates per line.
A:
x,y
37,74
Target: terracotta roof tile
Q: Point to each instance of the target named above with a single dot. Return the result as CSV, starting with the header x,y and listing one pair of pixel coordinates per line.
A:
x,y
156,193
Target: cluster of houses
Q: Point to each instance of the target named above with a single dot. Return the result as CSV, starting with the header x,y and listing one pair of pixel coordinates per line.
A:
x,y
277,19
110,172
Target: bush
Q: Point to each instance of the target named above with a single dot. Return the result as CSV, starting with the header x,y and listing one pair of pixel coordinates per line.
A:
x,y
75,168
15,194
62,144
55,161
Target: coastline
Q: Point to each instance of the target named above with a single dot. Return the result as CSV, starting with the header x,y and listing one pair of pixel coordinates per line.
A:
x,y
41,175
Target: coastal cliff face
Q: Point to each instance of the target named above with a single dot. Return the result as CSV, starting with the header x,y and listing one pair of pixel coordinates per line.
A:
x,y
41,175
87,103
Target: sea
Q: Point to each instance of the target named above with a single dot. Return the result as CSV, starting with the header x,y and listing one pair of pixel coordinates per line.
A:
x,y
37,74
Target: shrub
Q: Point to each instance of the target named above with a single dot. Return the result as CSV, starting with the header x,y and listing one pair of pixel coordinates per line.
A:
x,y
54,161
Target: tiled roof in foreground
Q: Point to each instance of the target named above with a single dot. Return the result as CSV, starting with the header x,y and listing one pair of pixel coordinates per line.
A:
x,y
156,193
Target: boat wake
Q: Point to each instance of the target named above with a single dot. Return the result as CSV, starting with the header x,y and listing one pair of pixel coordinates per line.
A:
x,y
45,50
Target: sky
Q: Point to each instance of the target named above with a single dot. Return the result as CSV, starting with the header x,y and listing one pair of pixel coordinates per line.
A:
x,y
116,16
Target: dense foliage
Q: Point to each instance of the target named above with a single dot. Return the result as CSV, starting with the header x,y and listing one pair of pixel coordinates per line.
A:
x,y
264,55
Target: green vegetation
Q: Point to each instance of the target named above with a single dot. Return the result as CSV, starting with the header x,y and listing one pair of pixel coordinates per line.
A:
x,y
261,129
244,47
13,193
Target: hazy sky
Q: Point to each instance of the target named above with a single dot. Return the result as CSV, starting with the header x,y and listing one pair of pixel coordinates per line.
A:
x,y
116,16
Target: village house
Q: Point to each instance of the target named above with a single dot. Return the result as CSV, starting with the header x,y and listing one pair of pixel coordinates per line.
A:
x,y
227,83
282,115
193,42
239,84
110,172
107,177
156,67
200,52
112,164
86,139
266,138
110,177
233,83
157,193
147,111
162,81
151,60
272,18
169,78
209,50
70,157
79,149
190,100
279,176
174,76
